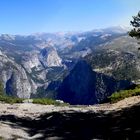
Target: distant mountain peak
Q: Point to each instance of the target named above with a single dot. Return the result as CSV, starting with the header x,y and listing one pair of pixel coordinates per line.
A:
x,y
49,57
7,37
113,29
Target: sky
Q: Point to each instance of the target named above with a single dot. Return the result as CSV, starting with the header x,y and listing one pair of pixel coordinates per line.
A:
x,y
31,16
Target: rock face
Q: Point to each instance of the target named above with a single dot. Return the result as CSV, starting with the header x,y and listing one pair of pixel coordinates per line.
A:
x,y
49,57
117,64
84,86
30,60
22,80
36,65
14,78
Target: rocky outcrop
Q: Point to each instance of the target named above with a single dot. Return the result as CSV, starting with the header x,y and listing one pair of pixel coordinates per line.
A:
x,y
49,57
84,86
117,64
14,78
30,60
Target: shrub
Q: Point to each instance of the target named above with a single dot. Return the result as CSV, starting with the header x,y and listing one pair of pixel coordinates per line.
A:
x,y
10,100
117,96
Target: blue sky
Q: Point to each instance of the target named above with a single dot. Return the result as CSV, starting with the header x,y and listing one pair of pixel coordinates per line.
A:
x,y
29,16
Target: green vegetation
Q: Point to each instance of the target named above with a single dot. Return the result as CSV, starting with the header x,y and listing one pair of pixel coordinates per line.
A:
x,y
117,96
1,89
43,101
1,138
135,32
10,100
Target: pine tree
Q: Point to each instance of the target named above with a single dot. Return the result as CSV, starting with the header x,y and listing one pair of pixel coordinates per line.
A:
x,y
135,32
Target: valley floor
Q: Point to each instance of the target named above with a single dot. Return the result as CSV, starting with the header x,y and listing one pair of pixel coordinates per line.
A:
x,y
107,121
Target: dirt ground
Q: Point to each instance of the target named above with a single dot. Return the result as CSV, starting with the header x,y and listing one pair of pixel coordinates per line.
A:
x,y
29,121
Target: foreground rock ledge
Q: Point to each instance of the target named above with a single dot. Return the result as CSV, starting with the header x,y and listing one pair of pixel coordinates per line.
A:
x,y
107,121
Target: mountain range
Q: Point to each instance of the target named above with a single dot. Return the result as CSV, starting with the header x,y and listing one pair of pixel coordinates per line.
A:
x,y
76,67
